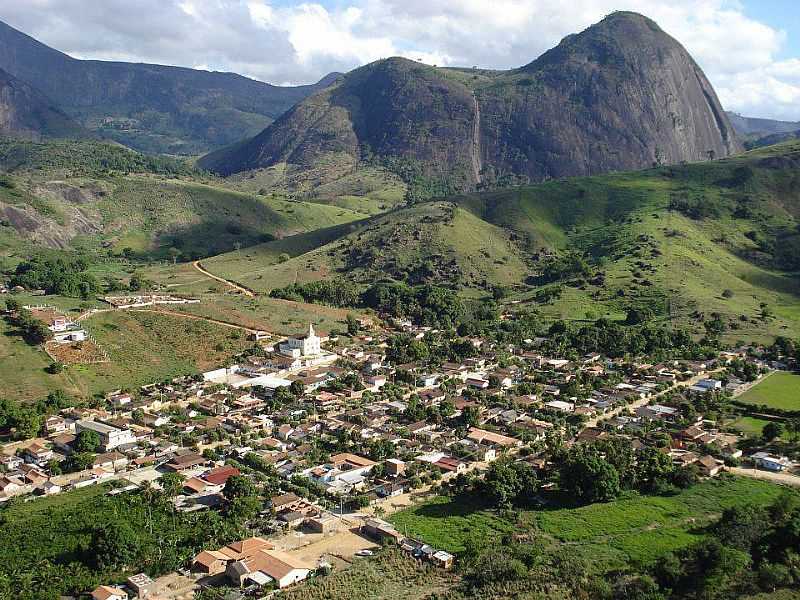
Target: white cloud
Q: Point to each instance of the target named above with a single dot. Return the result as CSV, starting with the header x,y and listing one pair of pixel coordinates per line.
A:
x,y
299,43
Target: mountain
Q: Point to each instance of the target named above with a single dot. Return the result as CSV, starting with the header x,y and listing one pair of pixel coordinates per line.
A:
x,y
749,127
620,95
773,138
683,241
26,113
150,107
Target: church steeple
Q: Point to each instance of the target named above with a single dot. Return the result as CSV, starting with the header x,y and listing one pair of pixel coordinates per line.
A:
x,y
311,330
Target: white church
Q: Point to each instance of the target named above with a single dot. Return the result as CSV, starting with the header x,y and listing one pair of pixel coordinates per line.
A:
x,y
307,346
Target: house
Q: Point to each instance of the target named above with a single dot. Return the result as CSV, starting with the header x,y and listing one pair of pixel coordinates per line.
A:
x,y
110,461
285,501
268,565
658,412
110,437
481,436
561,406
381,530
292,518
184,462
709,466
37,454
771,462
210,562
451,465
105,592
390,489
323,524
394,467
442,559
220,475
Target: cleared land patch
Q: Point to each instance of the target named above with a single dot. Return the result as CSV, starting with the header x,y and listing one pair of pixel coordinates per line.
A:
x,y
779,390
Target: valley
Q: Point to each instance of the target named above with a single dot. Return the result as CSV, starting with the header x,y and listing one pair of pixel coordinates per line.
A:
x,y
409,332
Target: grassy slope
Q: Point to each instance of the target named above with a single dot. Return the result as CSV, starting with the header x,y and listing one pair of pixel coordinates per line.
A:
x,y
332,180
608,216
143,348
435,240
650,255
634,530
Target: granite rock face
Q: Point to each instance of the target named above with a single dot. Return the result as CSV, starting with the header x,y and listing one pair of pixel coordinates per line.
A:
x,y
620,95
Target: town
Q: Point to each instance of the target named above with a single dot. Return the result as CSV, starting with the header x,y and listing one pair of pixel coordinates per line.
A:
x,y
315,440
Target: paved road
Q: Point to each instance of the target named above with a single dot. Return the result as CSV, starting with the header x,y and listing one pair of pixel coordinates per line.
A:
x,y
243,290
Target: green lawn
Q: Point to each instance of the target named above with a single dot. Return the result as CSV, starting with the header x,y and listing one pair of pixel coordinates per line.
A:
x,y
752,427
779,390
632,530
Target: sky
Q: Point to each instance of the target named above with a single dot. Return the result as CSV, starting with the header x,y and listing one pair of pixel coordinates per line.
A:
x,y
749,49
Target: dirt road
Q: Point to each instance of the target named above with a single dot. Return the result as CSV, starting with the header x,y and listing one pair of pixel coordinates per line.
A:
x,y
173,313
242,290
784,478
645,401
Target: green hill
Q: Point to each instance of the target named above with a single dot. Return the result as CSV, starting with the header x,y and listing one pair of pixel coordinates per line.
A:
x,y
684,242
95,196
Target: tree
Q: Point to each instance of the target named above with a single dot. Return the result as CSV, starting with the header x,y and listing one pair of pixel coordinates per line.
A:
x,y
171,484
771,431
509,482
116,546
243,508
297,388
238,486
589,477
352,325
174,254
87,441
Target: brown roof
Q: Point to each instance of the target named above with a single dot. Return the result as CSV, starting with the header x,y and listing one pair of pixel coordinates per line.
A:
x,y
245,548
208,557
274,563
104,592
353,459
220,475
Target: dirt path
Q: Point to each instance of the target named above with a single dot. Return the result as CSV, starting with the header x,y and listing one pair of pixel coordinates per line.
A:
x,y
173,313
784,478
645,401
242,290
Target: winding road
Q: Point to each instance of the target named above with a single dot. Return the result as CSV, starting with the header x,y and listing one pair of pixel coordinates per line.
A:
x,y
242,290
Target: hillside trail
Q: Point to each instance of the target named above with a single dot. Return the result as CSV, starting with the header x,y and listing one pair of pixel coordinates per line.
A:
x,y
243,290
477,167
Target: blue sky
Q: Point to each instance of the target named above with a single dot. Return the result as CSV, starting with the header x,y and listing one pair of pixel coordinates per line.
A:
x,y
782,15
749,49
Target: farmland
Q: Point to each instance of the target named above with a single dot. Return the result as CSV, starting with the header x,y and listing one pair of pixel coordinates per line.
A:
x,y
779,390
634,530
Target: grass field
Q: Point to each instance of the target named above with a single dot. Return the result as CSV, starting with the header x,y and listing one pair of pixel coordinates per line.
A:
x,y
779,390
633,530
392,575
752,427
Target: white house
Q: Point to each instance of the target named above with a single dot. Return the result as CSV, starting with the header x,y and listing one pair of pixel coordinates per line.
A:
x,y
771,462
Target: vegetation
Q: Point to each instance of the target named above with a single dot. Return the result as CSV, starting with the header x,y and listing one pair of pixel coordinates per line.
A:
x,y
777,391
72,542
